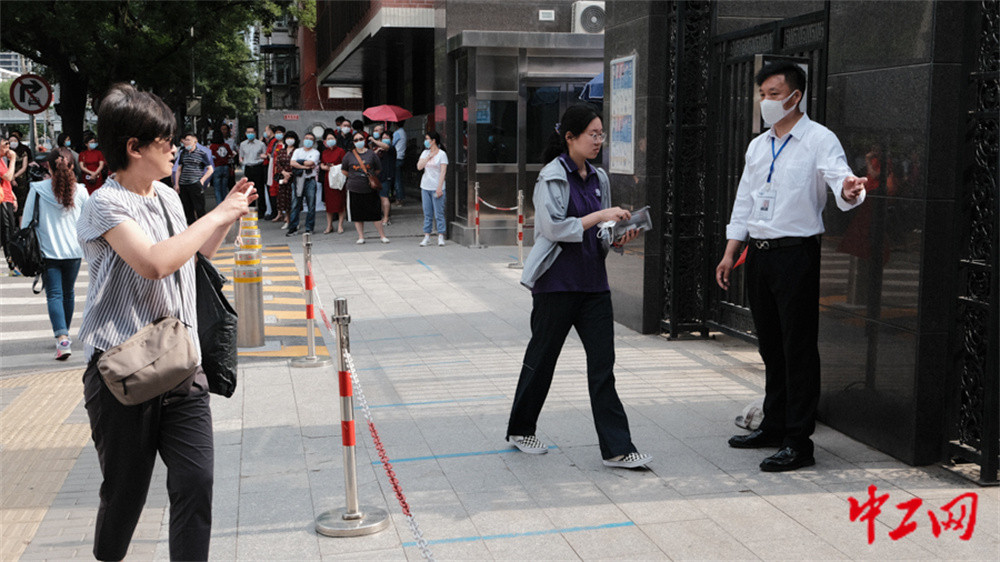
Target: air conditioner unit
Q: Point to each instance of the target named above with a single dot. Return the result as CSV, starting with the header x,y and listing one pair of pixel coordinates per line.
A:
x,y
588,17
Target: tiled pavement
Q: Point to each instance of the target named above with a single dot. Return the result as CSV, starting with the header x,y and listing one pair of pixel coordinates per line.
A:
x,y
438,335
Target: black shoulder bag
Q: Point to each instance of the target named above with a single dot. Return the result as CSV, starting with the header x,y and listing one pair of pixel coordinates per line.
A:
x,y
216,324
25,252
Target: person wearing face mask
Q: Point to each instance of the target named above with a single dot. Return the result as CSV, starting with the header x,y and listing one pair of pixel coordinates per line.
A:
x,y
342,132
362,202
65,141
305,163
386,152
221,156
8,202
434,164
779,210
92,163
19,183
194,169
333,199
283,176
251,156
271,193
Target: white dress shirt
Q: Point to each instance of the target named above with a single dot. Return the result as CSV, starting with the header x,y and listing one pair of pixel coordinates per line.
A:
x,y
812,160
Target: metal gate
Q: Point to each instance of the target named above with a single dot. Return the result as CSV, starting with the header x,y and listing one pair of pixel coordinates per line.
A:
x,y
732,95
975,426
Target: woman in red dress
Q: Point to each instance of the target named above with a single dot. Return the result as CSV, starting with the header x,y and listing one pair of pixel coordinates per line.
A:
x,y
334,199
92,163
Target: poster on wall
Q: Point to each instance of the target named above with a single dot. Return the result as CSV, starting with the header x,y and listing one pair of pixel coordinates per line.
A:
x,y
622,115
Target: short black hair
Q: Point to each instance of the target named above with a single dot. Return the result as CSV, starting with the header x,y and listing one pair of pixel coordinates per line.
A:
x,y
16,133
340,119
358,125
328,131
217,137
250,127
191,134
795,77
88,135
308,134
126,113
279,129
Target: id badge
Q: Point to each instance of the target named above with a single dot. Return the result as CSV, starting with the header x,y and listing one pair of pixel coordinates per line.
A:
x,y
763,209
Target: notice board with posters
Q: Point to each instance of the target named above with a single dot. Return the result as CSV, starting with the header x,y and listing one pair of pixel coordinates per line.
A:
x,y
622,73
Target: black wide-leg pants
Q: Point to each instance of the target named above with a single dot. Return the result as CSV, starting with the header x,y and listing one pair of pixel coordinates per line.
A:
x,y
552,316
783,289
178,426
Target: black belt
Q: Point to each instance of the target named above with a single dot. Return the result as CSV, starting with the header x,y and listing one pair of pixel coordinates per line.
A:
x,y
775,243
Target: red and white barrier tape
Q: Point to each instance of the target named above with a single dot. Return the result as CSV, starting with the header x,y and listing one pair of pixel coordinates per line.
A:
x,y
494,207
390,473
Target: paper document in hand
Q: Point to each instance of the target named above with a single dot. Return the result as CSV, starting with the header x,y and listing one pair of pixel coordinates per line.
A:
x,y
640,219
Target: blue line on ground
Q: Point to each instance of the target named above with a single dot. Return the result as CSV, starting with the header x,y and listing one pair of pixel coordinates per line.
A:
x,y
511,257
421,262
454,455
384,367
429,402
399,338
526,534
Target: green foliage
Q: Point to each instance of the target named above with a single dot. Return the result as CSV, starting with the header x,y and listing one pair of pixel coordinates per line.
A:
x,y
90,45
5,102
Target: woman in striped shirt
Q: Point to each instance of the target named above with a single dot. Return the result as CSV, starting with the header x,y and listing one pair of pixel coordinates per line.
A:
x,y
140,272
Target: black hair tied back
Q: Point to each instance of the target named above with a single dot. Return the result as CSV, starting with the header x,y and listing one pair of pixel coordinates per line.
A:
x,y
575,121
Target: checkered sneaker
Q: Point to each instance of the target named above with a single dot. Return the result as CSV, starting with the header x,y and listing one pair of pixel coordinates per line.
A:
x,y
631,460
528,444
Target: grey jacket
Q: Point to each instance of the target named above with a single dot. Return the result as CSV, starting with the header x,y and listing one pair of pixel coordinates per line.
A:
x,y
552,226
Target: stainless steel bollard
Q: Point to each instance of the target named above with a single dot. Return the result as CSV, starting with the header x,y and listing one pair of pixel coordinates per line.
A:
x,y
310,360
248,283
353,519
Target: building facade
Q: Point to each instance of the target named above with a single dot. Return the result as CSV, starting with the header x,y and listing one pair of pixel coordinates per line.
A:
x,y
909,291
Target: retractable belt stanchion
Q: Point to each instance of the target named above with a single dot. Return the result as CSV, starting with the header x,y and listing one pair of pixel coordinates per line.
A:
x,y
478,245
519,264
248,280
310,360
353,519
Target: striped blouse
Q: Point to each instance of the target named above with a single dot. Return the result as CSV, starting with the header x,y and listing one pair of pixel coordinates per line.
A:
x,y
119,300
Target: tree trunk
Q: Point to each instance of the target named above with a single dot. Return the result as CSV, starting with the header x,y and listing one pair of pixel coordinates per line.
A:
x,y
72,104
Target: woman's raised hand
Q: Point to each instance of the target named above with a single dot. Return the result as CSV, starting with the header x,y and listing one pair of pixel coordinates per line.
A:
x,y
237,203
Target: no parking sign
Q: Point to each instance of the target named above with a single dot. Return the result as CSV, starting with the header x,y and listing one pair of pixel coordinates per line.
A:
x,y
31,93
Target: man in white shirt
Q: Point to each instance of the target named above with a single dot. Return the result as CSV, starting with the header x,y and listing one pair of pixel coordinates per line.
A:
x,y
305,161
251,155
779,206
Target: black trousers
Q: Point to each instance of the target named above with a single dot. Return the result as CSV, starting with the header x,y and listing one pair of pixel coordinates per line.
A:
x,y
178,426
783,289
552,315
193,199
257,173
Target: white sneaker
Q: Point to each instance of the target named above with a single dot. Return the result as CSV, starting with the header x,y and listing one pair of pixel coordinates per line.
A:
x,y
440,239
384,240
426,240
62,350
360,241
631,460
284,225
528,444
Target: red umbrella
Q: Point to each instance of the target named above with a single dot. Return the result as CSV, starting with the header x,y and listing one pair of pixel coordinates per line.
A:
x,y
392,113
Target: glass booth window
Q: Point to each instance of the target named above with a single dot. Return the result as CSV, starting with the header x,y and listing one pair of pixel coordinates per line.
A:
x,y
541,119
496,131
496,73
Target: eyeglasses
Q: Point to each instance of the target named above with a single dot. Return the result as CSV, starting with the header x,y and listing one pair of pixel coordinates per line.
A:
x,y
598,137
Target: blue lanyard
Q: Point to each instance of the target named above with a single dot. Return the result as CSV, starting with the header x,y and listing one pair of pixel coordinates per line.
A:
x,y
774,156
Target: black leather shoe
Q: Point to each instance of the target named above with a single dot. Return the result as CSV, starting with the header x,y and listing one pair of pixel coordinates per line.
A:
x,y
755,440
787,459
292,232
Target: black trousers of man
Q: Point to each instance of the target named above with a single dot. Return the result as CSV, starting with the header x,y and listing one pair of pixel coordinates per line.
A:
x,y
178,426
552,316
257,173
193,200
783,288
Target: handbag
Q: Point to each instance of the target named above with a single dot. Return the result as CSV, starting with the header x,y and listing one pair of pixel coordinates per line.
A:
x,y
335,177
373,181
154,360
158,358
23,248
216,329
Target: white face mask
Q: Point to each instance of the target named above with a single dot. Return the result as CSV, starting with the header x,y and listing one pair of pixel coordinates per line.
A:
x,y
773,111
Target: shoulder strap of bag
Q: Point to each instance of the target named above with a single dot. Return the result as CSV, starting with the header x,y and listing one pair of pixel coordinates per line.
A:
x,y
34,213
360,161
170,231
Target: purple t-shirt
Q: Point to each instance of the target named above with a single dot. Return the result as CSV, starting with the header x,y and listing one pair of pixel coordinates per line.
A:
x,y
580,265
